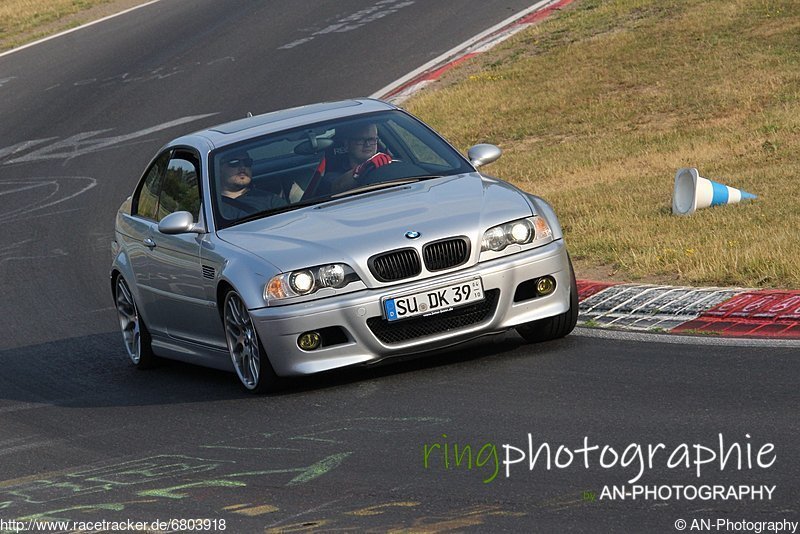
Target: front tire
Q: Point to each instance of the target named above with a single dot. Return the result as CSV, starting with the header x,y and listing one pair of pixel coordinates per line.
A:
x,y
134,332
558,325
247,353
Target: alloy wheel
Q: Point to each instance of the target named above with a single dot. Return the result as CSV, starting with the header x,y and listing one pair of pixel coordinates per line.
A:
x,y
129,321
242,341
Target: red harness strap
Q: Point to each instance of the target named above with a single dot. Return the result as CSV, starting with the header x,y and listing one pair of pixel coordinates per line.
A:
x,y
318,174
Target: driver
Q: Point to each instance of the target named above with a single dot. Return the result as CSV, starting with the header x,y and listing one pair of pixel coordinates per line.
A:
x,y
360,156
238,197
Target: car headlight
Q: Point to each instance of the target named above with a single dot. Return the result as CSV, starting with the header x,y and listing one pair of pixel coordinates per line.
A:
x,y
307,281
533,230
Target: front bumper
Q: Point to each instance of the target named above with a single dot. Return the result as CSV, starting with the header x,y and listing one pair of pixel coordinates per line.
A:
x,y
352,315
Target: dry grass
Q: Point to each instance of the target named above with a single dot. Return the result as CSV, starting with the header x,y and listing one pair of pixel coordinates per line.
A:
x,y
22,21
598,107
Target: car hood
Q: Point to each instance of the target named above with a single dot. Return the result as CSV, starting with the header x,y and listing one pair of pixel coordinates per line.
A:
x,y
351,229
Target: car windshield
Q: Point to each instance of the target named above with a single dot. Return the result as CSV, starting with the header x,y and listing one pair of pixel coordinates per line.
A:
x,y
319,162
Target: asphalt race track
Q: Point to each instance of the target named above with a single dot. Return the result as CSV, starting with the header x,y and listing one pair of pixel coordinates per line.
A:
x,y
86,437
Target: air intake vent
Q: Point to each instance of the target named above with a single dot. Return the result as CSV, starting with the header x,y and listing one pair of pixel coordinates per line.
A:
x,y
418,327
446,253
209,272
395,265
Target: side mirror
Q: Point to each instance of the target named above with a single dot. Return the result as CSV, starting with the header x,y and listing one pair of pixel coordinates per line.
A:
x,y
483,154
180,222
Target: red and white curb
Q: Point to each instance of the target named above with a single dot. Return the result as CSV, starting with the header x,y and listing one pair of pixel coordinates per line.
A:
x,y
402,89
718,311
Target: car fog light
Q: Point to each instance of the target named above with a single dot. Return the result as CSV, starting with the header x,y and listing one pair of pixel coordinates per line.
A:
x,y
309,341
545,285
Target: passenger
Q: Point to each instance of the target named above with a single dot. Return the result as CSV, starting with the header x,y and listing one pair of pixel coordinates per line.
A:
x,y
238,196
357,156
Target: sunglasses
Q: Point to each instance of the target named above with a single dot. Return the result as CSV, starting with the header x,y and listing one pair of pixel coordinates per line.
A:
x,y
240,162
364,141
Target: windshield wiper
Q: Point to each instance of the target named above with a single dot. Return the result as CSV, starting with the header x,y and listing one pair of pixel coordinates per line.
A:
x,y
326,198
381,185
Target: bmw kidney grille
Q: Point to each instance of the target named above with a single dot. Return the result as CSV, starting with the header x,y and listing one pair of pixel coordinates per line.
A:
x,y
405,263
445,254
395,265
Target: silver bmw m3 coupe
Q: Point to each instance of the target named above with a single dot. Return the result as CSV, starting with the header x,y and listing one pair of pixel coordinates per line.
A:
x,y
330,235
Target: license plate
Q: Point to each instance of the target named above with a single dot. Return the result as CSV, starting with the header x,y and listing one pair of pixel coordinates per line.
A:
x,y
433,301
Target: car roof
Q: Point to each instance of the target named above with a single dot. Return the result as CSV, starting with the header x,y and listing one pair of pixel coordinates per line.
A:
x,y
249,127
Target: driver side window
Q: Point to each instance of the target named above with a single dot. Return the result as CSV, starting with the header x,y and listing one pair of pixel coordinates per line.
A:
x,y
146,199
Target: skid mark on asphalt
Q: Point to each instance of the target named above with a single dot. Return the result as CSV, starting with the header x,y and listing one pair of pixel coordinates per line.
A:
x,y
21,251
84,143
124,78
179,491
353,21
159,73
48,192
252,511
23,146
30,197
393,516
294,458
306,474
381,508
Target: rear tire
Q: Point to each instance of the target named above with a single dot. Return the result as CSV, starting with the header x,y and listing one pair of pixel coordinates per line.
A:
x,y
134,332
557,326
247,353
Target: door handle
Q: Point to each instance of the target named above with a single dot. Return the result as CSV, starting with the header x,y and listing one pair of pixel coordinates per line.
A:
x,y
148,242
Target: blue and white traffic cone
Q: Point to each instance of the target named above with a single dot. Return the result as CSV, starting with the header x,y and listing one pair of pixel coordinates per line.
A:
x,y
693,192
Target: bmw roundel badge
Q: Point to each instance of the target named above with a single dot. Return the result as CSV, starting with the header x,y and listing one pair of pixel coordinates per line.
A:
x,y
412,235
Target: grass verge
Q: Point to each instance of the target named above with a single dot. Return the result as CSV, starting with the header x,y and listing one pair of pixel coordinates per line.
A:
x,y
598,106
23,21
